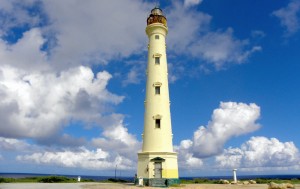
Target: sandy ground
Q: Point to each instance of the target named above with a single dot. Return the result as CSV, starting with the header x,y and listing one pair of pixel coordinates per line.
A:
x,y
186,186
123,186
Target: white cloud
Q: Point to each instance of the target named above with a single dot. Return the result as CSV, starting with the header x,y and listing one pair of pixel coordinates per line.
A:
x,y
93,32
219,48
11,144
38,104
116,147
16,14
83,158
185,26
289,17
118,138
186,159
120,133
81,33
25,54
190,34
260,152
231,158
189,3
229,120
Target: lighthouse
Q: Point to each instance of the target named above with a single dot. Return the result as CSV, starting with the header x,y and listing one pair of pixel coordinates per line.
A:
x,y
157,162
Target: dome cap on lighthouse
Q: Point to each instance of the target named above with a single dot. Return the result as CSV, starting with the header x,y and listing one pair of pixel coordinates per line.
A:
x,y
156,11
157,16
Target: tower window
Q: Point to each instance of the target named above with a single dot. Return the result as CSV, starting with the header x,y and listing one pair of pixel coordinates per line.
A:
x,y
157,60
156,36
157,90
157,123
156,57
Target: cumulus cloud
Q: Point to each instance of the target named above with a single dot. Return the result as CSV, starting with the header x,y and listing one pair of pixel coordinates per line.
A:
x,y
186,159
119,139
289,17
229,120
37,101
116,147
260,152
37,104
83,158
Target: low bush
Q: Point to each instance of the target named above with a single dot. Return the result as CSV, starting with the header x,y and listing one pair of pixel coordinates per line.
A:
x,y
55,179
6,180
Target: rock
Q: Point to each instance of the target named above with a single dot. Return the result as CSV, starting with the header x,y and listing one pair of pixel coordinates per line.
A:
x,y
252,181
246,182
273,185
224,181
289,185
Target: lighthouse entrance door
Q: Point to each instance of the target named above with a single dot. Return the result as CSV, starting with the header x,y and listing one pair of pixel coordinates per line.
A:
x,y
157,169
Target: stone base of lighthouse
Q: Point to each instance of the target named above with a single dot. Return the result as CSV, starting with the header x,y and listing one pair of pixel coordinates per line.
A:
x,y
156,167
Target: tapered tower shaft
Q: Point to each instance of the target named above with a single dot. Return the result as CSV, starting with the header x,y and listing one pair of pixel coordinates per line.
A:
x,y
157,120
157,158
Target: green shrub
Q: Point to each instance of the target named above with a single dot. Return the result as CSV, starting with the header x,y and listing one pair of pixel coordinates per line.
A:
x,y
87,180
198,181
175,185
54,179
6,180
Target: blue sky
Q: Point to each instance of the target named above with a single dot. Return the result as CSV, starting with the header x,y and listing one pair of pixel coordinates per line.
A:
x,y
72,85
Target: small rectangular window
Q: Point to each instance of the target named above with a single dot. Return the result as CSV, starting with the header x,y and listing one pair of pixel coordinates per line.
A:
x,y
156,36
157,90
157,60
157,123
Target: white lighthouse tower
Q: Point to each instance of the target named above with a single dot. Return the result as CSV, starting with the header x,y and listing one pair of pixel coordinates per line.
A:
x,y
157,161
